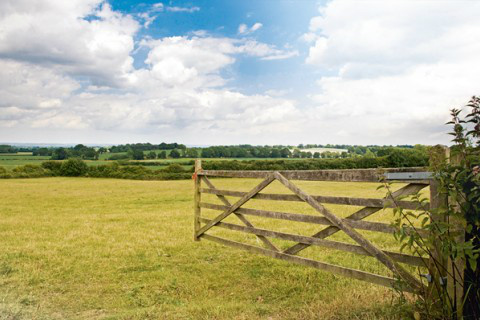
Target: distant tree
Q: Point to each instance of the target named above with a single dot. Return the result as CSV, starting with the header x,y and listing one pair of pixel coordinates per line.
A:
x,y
162,155
207,153
191,153
316,155
59,154
89,153
275,153
73,168
5,148
137,154
42,152
369,154
285,153
151,155
305,154
79,147
175,154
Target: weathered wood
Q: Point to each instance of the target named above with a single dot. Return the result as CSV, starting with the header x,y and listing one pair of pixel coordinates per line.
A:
x,y
357,237
437,264
362,225
353,175
237,204
456,266
197,199
245,221
347,272
361,202
400,257
359,215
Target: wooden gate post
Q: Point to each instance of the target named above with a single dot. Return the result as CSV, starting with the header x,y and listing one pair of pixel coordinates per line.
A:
x,y
444,268
439,156
197,198
456,267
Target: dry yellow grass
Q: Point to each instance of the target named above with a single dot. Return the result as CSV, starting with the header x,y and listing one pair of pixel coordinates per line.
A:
x,y
78,248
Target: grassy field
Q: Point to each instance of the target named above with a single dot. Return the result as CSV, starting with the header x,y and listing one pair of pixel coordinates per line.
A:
x,y
80,248
10,161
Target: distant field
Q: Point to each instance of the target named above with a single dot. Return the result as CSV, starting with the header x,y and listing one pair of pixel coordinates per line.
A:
x,y
10,161
80,248
320,150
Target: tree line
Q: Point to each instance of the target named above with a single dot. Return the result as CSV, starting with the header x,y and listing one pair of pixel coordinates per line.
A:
x,y
141,151
129,170
146,147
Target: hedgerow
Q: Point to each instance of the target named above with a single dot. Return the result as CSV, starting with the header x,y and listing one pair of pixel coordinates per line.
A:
x,y
175,170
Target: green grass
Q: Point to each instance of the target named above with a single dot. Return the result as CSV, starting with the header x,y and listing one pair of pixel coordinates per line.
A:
x,y
10,161
80,248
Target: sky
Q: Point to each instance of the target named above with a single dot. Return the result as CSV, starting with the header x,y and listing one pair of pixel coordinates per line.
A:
x,y
235,72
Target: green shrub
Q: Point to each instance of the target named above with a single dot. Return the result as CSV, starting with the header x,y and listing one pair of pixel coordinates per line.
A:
x,y
73,168
4,173
174,168
307,164
30,171
53,166
121,156
104,170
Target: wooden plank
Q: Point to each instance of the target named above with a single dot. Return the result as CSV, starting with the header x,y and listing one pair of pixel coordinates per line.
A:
x,y
197,199
362,225
245,221
347,272
237,204
361,202
359,175
357,237
400,257
359,215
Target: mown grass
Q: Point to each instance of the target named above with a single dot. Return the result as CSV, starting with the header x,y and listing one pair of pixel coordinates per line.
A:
x,y
80,248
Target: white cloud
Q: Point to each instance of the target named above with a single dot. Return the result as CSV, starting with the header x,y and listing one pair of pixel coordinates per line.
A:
x,y
183,9
158,6
386,74
56,34
256,26
243,29
195,62
70,67
147,18
396,68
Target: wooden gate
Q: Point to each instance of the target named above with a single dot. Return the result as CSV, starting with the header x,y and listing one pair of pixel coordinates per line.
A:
x,y
415,181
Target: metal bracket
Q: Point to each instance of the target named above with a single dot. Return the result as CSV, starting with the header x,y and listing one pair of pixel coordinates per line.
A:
x,y
408,175
427,276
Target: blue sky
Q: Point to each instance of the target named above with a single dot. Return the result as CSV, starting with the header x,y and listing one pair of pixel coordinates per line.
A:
x,y
232,72
283,24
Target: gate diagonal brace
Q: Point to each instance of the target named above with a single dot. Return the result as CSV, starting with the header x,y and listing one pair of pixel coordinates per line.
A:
x,y
237,204
416,285
241,217
359,215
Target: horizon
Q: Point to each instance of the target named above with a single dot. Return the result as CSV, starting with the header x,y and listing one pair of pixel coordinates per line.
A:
x,y
208,73
60,145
